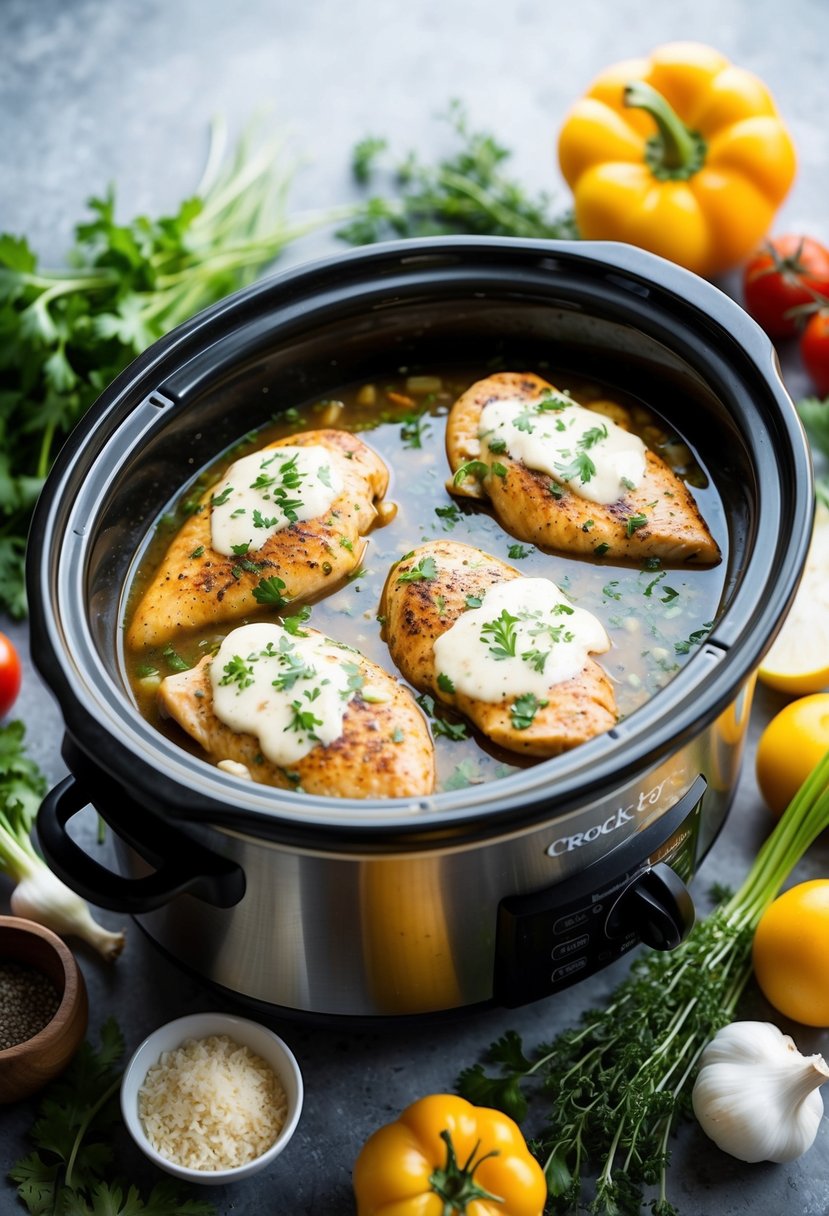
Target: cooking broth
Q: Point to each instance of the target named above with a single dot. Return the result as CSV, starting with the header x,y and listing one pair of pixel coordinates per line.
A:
x,y
655,616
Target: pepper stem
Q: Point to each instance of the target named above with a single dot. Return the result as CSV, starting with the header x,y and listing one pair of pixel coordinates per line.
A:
x,y
675,151
454,1183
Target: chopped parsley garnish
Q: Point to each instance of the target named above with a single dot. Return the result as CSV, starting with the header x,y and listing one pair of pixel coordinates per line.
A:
x,y
610,592
694,639
293,624
145,671
634,522
238,671
581,467
219,500
517,552
523,710
444,683
450,515
497,446
414,429
601,549
500,470
303,719
536,659
523,422
264,521
668,594
441,727
590,438
471,468
555,490
499,635
440,604
197,552
241,550
346,543
587,525
474,601
269,591
425,570
174,660
356,679
324,475
295,666
627,483
397,735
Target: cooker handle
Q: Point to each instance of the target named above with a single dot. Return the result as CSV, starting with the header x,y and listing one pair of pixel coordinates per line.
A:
x,y
183,865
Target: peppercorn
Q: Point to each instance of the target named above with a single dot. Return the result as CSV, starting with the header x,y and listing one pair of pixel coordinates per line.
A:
x,y
28,1002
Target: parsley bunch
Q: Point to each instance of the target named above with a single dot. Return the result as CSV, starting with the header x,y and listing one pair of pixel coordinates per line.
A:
x,y
617,1084
465,192
67,1174
65,334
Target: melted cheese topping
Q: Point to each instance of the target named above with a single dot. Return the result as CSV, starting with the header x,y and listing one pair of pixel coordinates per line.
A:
x,y
267,491
579,448
290,691
524,638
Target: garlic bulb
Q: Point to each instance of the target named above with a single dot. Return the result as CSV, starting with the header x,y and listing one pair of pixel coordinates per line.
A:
x,y
756,1096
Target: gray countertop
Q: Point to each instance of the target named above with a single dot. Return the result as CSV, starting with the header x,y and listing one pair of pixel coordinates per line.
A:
x,y
93,91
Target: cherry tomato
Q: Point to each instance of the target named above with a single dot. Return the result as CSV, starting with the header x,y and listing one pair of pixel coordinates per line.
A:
x,y
787,272
791,953
9,675
790,747
814,350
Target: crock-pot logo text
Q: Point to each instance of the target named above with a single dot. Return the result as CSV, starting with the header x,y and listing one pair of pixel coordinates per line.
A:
x,y
625,814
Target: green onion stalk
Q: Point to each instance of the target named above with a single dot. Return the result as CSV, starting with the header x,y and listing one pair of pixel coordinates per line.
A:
x,y
618,1084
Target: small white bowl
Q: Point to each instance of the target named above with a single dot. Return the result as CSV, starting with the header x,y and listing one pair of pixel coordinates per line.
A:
x,y
261,1041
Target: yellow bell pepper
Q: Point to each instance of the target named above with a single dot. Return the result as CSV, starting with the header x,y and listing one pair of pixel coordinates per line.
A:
x,y
445,1157
682,154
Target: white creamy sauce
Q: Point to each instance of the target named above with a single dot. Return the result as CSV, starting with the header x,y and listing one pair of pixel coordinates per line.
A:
x,y
262,493
525,638
291,692
579,448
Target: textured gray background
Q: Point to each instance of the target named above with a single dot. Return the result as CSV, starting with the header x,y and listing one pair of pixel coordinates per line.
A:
x,y
93,91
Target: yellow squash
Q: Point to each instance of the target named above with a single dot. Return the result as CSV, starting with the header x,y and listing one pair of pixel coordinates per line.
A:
x,y
445,1157
683,154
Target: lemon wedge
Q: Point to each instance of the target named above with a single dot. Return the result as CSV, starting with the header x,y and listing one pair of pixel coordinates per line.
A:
x,y
798,662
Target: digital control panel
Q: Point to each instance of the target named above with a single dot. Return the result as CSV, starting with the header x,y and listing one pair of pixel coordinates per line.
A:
x,y
553,938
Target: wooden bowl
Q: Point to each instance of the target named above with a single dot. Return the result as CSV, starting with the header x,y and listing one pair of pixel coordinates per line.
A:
x,y
27,1067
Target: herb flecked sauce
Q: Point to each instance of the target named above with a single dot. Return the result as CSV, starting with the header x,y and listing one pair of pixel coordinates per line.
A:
x,y
656,617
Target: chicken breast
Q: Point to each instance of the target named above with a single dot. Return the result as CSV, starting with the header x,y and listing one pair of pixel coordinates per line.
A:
x,y
427,593
658,518
384,751
197,586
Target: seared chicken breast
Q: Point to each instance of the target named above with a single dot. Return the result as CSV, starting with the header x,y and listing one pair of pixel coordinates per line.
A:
x,y
653,515
383,748
278,556
432,589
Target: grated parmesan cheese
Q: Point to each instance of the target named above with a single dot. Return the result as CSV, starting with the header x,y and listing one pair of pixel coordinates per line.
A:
x,y
211,1104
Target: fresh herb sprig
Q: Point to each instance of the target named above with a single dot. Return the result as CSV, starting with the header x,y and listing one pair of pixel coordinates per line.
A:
x,y
70,1170
621,1080
67,333
466,191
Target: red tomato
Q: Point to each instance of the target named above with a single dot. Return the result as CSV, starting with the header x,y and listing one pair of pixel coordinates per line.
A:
x,y
9,675
814,350
787,272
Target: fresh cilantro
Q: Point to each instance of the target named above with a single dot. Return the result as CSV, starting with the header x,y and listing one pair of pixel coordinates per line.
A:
x,y
346,543
517,552
474,601
294,667
497,446
356,679
269,591
581,467
523,710
198,551
425,570
70,1169
324,476
669,594
445,684
592,436
264,521
555,490
241,550
219,500
500,470
303,719
536,659
463,775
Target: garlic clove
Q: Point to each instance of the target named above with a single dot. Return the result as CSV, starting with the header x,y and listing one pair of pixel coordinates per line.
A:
x,y
756,1096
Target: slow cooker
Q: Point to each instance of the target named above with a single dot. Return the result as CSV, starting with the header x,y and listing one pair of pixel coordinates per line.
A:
x,y
501,893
